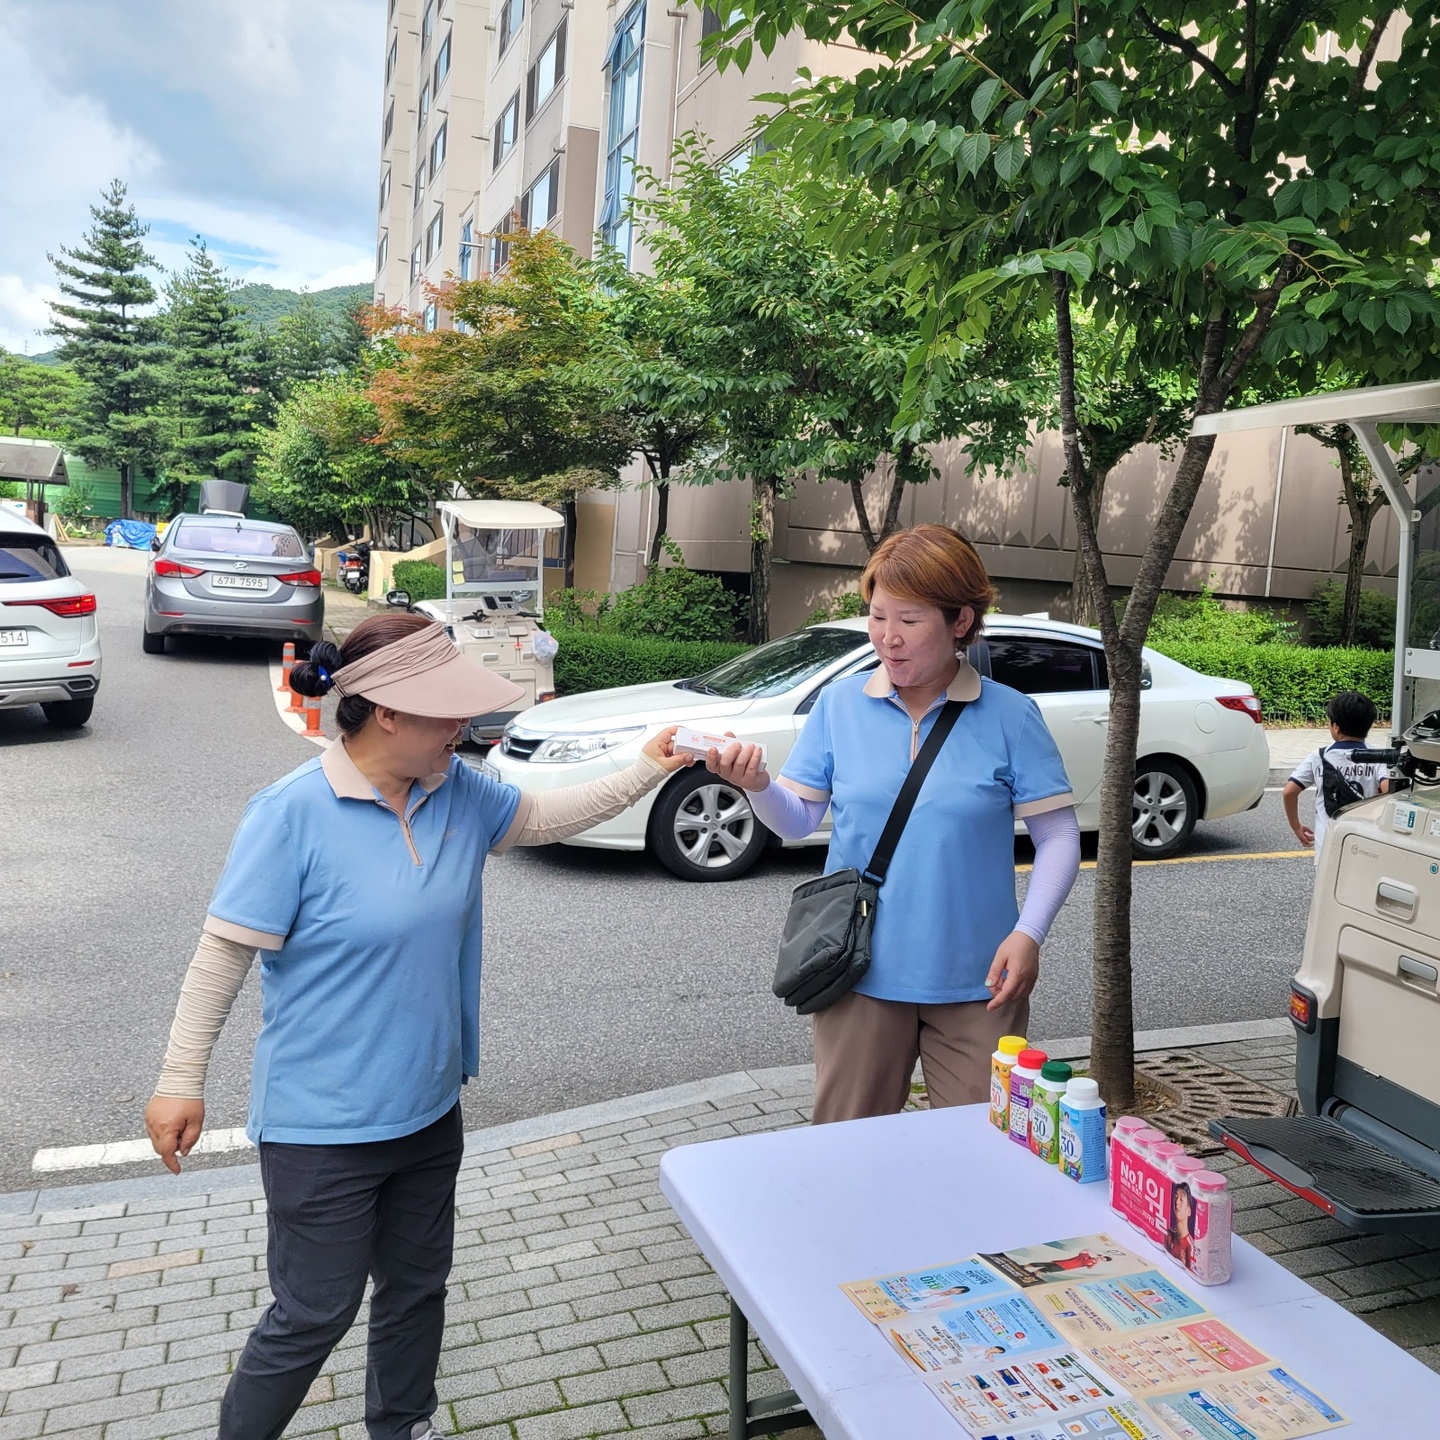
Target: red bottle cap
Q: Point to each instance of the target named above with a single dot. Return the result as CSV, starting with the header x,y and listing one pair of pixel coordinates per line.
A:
x,y
1033,1059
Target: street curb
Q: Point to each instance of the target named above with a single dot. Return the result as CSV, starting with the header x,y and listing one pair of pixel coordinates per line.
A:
x,y
495,1138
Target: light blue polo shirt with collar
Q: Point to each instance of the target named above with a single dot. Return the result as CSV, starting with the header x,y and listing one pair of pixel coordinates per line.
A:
x,y
949,897
369,924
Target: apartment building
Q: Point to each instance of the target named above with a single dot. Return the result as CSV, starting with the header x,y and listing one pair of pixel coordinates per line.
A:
x,y
564,99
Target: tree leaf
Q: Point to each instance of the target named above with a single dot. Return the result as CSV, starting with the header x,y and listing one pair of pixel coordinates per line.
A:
x,y
1009,157
972,152
1107,92
986,95
1397,314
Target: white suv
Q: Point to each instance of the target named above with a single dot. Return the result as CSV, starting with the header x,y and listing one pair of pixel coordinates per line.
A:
x,y
49,645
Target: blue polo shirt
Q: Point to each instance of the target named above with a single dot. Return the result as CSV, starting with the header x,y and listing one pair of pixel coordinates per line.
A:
x,y
370,926
949,898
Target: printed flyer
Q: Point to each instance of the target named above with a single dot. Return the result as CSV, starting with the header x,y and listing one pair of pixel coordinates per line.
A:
x,y
979,1334
1124,1420
1094,1308
1049,1389
1092,1256
1267,1405
892,1297
1172,1355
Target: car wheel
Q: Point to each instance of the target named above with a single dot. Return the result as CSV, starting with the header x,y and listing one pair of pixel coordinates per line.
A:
x,y
68,714
152,644
1165,809
704,829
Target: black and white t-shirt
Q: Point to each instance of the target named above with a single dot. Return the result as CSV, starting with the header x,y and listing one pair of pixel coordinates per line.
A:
x,y
1365,778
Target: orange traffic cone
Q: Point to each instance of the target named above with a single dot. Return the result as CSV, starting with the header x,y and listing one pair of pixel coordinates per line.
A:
x,y
297,701
312,716
287,663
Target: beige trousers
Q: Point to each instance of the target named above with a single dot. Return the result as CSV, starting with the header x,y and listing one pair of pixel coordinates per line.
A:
x,y
865,1053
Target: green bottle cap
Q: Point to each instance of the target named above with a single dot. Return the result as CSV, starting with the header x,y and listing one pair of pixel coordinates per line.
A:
x,y
1055,1070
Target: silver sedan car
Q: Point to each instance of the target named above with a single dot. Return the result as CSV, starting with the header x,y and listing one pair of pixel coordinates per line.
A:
x,y
222,574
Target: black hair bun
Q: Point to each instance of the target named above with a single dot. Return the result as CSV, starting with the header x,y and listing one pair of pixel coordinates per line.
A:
x,y
316,675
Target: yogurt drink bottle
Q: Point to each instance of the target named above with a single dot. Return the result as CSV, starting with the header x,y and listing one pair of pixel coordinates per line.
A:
x,y
1213,1217
1002,1062
1120,1146
1045,1110
1023,1075
1083,1152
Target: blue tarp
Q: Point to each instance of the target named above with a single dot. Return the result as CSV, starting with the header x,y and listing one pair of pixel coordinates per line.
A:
x,y
129,534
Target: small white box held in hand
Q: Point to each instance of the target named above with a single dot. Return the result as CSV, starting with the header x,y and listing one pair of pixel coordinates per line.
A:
x,y
701,742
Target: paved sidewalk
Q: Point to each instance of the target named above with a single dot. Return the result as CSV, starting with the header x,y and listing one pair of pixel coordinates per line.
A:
x,y
578,1305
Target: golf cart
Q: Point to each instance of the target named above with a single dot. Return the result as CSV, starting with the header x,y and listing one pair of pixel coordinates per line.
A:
x,y
1366,1000
494,601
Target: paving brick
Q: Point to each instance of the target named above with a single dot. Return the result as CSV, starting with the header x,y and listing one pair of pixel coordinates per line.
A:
x,y
577,1250
652,1345
553,1366
585,1420
608,1303
614,1383
587,1332
58,1397
1372,1279
64,1418
167,1424
508,1404
22,1377
526,1320
706,1399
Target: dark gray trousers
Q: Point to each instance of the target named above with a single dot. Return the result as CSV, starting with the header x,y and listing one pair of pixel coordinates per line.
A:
x,y
337,1214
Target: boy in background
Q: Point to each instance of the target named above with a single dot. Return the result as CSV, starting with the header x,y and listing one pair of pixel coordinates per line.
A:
x,y
1331,771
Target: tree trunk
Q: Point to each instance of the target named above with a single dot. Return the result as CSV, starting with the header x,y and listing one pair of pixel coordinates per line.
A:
x,y
572,526
1355,573
127,490
762,543
662,521
1082,604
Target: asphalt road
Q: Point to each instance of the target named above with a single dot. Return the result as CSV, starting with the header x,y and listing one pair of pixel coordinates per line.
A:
x,y
603,974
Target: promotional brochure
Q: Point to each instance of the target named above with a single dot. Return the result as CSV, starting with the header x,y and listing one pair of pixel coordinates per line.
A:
x,y
1083,1338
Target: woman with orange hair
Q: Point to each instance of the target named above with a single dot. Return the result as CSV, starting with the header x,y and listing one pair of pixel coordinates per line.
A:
x,y
954,959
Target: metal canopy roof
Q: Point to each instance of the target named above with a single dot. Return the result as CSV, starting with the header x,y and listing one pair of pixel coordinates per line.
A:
x,y
1413,403
505,514
22,458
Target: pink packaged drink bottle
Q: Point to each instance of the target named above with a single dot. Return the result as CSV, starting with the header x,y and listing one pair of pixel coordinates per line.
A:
x,y
1209,1259
1121,1140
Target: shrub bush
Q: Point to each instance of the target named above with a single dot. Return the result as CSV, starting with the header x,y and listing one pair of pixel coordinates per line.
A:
x,y
847,605
421,579
1375,627
591,661
1292,682
1203,619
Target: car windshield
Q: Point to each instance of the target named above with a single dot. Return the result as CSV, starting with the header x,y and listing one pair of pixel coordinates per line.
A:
x,y
779,666
239,540
24,558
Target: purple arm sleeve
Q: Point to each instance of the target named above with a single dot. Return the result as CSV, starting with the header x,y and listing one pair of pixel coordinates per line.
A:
x,y
789,815
1056,834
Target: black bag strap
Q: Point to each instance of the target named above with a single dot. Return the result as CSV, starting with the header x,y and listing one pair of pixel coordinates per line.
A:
x,y
879,864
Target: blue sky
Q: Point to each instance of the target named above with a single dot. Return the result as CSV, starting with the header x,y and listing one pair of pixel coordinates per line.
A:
x,y
254,123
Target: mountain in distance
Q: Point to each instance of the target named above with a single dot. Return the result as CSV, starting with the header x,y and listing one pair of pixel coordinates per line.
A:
x,y
265,306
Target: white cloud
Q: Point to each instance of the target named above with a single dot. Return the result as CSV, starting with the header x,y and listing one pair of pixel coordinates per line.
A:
x,y
24,312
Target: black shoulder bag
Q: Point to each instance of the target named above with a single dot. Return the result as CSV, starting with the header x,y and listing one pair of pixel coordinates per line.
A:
x,y
825,949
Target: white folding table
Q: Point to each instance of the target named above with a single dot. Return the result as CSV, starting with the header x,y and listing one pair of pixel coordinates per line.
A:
x,y
787,1216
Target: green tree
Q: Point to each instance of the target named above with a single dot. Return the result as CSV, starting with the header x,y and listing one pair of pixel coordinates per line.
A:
x,y
1233,191
303,345
113,343
213,404
322,467
36,399
507,403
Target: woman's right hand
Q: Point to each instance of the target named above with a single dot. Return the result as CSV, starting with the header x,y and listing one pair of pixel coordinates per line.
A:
x,y
174,1125
739,764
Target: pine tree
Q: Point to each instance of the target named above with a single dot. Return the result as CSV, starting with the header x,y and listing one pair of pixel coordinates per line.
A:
x,y
303,345
214,402
113,344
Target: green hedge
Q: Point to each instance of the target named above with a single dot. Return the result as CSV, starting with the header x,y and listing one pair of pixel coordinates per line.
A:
x,y
421,579
588,661
1292,682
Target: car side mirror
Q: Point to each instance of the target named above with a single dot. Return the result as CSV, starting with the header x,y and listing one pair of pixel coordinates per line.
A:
x,y
156,542
400,599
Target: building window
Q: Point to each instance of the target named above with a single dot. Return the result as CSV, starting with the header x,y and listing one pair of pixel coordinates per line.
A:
x,y
419,194
414,264
437,149
507,130
382,252
442,61
433,233
389,124
422,108
512,14
427,26
391,59
467,250
500,244
541,202
432,315
546,73
711,22
385,190
623,62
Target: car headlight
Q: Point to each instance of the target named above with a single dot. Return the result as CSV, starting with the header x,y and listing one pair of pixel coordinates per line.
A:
x,y
560,749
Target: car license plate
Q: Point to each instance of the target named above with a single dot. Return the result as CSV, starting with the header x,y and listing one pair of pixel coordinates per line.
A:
x,y
14,637
239,582
486,768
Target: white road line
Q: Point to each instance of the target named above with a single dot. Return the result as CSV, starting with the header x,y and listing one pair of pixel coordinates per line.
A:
x,y
282,703
130,1152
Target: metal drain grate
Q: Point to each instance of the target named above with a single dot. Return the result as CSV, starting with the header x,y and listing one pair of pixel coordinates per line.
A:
x,y
1199,1092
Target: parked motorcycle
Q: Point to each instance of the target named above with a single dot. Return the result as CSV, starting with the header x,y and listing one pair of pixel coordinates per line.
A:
x,y
354,567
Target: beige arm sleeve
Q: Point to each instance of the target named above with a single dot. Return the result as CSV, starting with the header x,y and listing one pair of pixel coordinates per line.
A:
x,y
552,815
217,971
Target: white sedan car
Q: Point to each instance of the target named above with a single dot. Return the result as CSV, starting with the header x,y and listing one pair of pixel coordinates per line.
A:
x,y
1202,747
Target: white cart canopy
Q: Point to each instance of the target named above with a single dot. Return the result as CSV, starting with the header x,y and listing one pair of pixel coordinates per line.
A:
x,y
502,514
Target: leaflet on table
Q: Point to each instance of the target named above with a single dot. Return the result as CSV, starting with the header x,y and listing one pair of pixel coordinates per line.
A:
x,y
1121,1420
1175,1355
1088,1309
892,1297
982,1333
1049,1389
1259,1405
1095,1256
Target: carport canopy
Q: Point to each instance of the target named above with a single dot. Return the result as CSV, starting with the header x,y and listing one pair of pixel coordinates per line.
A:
x,y
502,514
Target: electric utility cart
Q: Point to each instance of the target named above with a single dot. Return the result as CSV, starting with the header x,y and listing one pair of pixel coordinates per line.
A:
x,y
494,605
1366,1000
